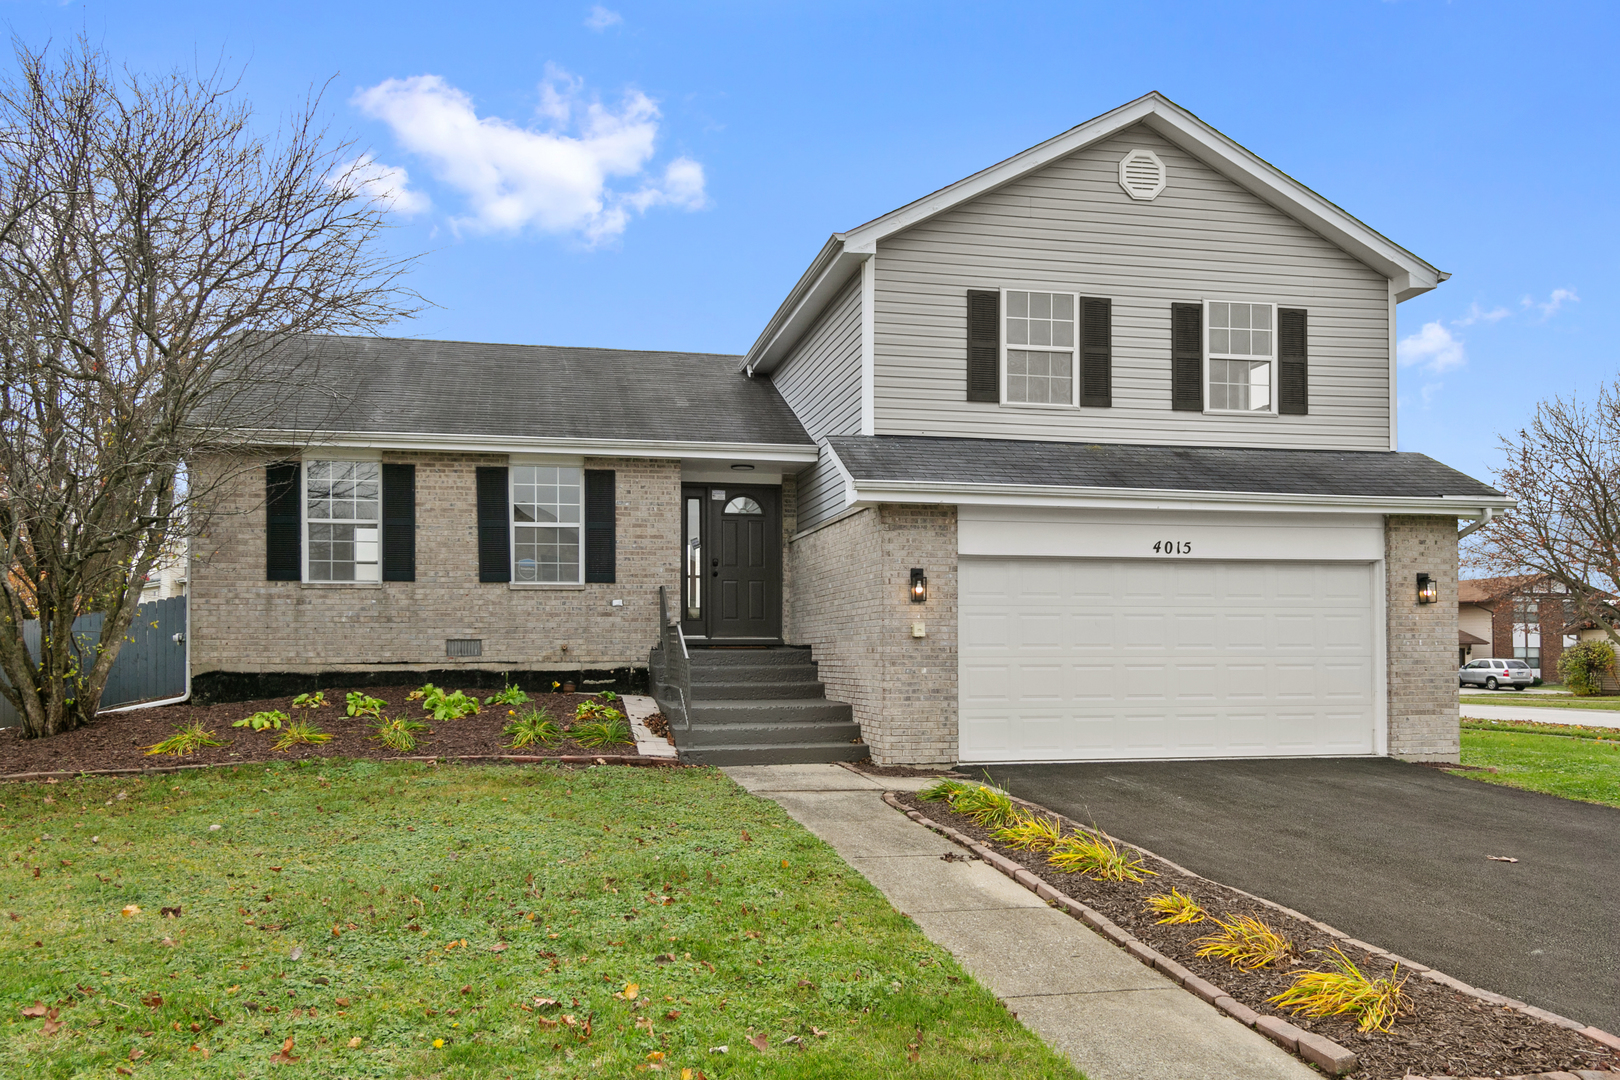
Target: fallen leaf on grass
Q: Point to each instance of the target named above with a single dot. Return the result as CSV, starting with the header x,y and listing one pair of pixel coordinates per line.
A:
x,y
719,1049
36,1009
136,1054
629,992
121,1071
170,912
52,1025
284,1056
152,1001
760,1042
354,1043
794,1040
297,952
129,910
1501,858
499,946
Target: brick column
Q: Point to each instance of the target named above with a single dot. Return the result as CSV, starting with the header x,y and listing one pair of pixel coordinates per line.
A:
x,y
1421,638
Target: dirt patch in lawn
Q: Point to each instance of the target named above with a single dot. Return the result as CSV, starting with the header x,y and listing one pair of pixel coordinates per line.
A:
x,y
1444,1032
119,740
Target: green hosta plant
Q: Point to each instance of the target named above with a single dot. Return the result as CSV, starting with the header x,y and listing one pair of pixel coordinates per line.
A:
x,y
263,721
301,733
535,727
445,706
185,740
594,734
607,696
398,734
510,696
595,710
310,701
360,704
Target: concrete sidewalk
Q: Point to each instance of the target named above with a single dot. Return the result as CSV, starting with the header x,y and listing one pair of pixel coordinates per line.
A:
x,y
1528,713
1114,1017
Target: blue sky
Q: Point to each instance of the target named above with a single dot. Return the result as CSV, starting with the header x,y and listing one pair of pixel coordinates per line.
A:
x,y
657,175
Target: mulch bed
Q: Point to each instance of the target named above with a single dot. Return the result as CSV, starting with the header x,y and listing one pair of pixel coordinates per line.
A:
x,y
1444,1033
870,769
119,740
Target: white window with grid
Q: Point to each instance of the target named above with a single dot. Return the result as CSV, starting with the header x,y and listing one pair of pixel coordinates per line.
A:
x,y
342,519
1242,342
1040,363
546,522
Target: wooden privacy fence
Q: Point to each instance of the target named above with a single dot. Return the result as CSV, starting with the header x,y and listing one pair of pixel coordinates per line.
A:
x,y
151,665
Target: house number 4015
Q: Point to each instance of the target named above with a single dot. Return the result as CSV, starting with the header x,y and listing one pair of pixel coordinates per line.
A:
x,y
1173,547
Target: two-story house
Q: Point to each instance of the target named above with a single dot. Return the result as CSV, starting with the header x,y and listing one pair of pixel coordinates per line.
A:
x,y
1090,455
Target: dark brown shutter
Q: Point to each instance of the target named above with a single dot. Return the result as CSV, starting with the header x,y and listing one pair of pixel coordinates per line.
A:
x,y
399,522
1187,357
600,544
494,540
983,345
1293,377
1097,352
283,549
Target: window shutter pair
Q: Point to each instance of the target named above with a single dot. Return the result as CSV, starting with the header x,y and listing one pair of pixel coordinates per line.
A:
x,y
984,349
494,538
283,520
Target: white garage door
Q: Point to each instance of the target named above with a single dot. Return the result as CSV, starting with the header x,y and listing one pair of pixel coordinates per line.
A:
x,y
1090,659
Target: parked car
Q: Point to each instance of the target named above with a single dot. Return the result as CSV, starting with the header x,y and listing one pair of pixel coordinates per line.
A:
x,y
1495,674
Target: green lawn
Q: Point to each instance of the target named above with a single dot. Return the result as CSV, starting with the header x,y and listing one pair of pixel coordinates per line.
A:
x,y
366,912
1539,701
1584,768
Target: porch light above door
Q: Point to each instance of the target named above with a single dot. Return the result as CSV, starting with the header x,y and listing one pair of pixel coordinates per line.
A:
x,y
919,586
1427,590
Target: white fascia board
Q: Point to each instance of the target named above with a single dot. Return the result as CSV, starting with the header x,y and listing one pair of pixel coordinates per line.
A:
x,y
1411,274
827,274
787,453
868,492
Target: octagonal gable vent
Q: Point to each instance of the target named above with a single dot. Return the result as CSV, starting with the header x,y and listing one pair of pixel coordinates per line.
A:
x,y
1141,174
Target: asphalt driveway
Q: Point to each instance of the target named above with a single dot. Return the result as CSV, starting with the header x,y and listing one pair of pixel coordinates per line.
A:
x,y
1391,853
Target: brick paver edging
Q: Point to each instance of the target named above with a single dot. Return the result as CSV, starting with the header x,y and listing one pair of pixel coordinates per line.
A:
x,y
1314,1048
512,759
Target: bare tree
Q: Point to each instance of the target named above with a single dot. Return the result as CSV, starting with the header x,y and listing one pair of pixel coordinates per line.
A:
x,y
1564,469
158,264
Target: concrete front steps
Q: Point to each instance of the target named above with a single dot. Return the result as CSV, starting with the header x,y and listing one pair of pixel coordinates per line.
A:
x,y
764,706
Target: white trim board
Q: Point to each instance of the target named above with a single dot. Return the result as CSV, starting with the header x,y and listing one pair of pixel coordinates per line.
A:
x,y
1181,535
314,442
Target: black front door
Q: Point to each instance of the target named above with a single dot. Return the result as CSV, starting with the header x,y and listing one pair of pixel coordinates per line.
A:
x,y
731,563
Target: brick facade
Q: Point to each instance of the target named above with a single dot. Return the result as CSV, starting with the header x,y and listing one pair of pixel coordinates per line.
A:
x,y
242,623
851,605
1421,639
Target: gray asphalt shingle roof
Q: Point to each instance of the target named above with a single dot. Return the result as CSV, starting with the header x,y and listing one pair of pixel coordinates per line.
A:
x,y
1169,468
375,385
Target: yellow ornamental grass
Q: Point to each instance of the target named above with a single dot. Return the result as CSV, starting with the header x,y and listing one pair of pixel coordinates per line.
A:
x,y
1176,907
1098,857
1345,989
1031,832
1245,942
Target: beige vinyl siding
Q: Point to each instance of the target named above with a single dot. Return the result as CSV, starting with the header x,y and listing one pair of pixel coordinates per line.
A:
x,y
821,491
1070,227
821,378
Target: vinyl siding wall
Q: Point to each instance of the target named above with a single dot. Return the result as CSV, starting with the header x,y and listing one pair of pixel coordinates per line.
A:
x,y
821,491
1070,227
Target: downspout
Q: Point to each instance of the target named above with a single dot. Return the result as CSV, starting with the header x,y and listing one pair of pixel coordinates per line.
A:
x,y
1487,515
190,574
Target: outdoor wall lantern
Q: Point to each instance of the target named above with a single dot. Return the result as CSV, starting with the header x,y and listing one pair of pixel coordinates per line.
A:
x,y
919,586
1428,591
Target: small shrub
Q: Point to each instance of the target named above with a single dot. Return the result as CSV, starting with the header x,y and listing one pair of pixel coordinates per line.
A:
x,y
445,706
1176,907
1245,942
510,696
595,710
985,805
261,721
361,705
301,732
1032,832
943,790
316,700
185,740
1098,857
1583,666
1344,989
398,734
593,734
535,727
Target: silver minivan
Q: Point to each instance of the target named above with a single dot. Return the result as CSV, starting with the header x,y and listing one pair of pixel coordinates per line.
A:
x,y
1496,674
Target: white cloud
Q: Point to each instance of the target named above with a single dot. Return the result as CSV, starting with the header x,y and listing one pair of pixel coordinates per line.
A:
x,y
1479,314
1433,347
600,18
369,178
554,178
1553,303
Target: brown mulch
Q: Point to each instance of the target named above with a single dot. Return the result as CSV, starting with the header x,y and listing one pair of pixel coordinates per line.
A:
x,y
658,724
870,769
1444,1032
119,740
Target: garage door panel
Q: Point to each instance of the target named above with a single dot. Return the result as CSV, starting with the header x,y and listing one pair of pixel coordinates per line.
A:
x,y
1077,659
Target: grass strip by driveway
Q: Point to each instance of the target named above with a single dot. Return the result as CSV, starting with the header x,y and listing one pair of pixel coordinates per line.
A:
x,y
406,920
1540,701
1535,727
1582,768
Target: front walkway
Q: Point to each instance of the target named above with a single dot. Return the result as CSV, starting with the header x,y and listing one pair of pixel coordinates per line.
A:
x,y
1114,1017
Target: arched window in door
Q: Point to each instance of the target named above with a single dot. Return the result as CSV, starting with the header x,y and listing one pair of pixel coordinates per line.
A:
x,y
742,504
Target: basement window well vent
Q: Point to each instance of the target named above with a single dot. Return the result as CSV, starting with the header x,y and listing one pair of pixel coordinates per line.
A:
x,y
1141,174
467,646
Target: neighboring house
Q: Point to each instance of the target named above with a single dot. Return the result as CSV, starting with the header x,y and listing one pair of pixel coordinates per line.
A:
x,y
167,578
1121,408
1525,617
